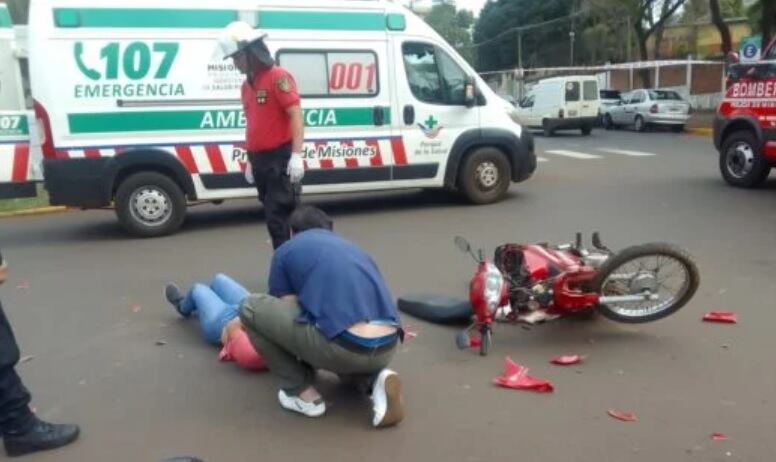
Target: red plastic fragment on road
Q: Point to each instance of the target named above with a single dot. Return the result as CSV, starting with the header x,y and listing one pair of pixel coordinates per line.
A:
x,y
475,342
567,360
23,285
137,308
719,437
516,377
721,316
622,415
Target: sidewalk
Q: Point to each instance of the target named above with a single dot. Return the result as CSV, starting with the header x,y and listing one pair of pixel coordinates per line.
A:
x,y
701,123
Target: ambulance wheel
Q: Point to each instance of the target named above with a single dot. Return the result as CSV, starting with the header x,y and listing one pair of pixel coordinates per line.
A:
x,y
741,161
149,204
485,176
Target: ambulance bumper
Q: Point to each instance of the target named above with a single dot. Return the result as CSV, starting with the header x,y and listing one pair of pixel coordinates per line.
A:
x,y
76,182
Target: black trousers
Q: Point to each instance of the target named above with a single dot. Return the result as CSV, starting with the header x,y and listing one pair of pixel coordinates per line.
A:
x,y
279,196
15,414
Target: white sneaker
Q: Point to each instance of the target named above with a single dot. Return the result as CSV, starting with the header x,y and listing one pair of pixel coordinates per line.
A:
x,y
294,403
387,402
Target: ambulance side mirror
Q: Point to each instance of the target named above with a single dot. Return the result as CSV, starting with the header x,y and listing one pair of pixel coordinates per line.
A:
x,y
470,94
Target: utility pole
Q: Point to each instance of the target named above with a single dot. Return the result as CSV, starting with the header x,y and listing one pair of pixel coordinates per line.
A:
x,y
572,33
519,48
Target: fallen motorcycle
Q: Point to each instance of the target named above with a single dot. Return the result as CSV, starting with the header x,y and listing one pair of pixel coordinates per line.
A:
x,y
535,283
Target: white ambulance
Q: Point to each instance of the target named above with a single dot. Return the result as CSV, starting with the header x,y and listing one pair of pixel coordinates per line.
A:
x,y
18,167
140,111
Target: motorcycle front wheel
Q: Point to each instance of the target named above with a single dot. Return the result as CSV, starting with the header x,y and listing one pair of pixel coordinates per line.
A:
x,y
664,271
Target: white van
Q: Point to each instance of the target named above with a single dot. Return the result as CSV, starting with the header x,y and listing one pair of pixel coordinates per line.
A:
x,y
140,110
561,103
18,167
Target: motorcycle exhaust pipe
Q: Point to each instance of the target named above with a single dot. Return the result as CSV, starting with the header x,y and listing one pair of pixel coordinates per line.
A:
x,y
628,298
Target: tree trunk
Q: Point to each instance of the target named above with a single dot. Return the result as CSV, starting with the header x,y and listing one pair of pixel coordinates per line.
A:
x,y
767,21
643,73
660,29
722,27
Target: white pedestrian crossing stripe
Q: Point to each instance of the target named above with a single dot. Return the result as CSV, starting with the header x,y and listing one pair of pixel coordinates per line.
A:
x,y
542,159
572,154
626,152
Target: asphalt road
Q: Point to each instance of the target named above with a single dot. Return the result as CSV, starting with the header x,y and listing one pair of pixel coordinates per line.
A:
x,y
86,303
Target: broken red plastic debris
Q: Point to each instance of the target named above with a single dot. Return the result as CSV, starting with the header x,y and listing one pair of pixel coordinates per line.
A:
x,y
137,308
23,285
719,437
566,360
475,342
721,316
410,334
516,376
622,415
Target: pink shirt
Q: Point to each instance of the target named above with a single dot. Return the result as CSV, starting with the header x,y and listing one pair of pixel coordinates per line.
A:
x,y
240,350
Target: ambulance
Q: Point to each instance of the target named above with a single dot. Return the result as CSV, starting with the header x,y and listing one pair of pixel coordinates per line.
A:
x,y
19,159
140,112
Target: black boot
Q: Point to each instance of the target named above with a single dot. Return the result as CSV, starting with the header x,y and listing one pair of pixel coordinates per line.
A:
x,y
41,436
174,295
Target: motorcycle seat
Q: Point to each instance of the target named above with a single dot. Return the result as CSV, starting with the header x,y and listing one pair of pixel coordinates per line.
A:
x,y
436,308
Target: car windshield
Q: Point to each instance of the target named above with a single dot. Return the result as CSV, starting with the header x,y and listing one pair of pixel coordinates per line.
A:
x,y
610,94
662,95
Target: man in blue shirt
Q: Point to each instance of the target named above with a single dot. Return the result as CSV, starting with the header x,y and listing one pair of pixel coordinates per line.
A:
x,y
328,308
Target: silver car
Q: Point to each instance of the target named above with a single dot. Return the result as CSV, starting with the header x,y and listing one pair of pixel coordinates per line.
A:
x,y
642,108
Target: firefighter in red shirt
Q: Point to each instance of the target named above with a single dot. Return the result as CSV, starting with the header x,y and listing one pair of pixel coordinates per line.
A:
x,y
275,128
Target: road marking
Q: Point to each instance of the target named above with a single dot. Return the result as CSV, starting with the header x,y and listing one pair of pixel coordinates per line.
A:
x,y
626,152
542,159
572,154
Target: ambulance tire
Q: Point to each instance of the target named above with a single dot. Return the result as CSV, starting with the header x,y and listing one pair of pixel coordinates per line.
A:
x,y
485,176
751,152
167,205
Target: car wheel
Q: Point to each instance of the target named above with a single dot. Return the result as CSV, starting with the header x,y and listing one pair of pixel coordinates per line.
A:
x,y
149,204
639,124
741,161
485,176
678,128
547,128
608,122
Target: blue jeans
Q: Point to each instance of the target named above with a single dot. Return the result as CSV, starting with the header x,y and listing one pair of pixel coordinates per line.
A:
x,y
216,304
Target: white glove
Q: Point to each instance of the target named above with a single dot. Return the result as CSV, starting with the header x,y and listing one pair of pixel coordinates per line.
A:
x,y
295,168
249,173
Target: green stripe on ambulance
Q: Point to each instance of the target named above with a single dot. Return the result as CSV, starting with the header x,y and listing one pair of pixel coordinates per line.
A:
x,y
156,121
5,17
218,18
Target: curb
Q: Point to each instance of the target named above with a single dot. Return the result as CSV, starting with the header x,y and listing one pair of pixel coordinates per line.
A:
x,y
33,212
700,131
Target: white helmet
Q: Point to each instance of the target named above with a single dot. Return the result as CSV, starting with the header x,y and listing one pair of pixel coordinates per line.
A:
x,y
236,37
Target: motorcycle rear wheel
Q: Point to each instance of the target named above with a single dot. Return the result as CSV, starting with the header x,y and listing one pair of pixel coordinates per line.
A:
x,y
646,268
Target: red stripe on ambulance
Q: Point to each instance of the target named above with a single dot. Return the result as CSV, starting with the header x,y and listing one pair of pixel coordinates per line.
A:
x,y
21,162
214,155
399,156
377,159
92,153
185,155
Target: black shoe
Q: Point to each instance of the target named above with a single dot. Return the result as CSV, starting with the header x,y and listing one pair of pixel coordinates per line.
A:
x,y
175,297
40,437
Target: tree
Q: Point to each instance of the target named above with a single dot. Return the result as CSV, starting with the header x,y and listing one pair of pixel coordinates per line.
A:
x,y
719,22
650,16
18,10
454,27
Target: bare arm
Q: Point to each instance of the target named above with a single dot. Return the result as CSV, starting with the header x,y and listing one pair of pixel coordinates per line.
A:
x,y
297,128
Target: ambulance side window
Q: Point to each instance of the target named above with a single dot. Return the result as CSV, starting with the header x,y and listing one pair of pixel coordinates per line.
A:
x,y
433,76
332,73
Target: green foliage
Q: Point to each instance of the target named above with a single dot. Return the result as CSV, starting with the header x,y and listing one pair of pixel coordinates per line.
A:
x,y
454,27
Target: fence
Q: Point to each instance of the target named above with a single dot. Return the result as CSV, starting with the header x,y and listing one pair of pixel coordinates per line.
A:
x,y
702,83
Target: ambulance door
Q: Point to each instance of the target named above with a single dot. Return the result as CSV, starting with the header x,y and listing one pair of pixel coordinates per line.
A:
x,y
18,168
431,109
345,92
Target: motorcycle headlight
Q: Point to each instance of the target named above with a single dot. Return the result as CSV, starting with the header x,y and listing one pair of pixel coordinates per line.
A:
x,y
494,282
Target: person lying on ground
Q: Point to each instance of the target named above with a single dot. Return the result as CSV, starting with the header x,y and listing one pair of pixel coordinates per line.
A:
x,y
216,305
328,308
